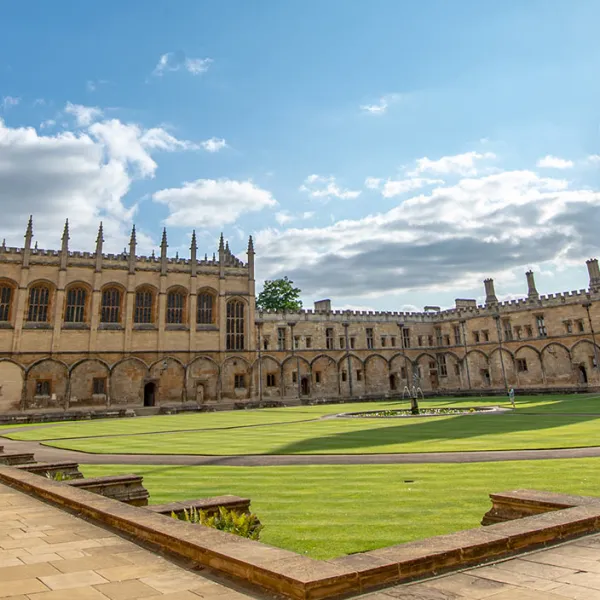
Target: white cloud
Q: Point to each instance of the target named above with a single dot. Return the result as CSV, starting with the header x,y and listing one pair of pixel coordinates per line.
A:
x,y
177,61
319,186
373,183
84,115
9,102
92,85
554,162
594,158
380,107
214,144
283,217
395,187
212,203
459,164
47,123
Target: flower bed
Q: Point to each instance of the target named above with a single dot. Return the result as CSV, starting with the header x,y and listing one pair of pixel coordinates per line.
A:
x,y
423,412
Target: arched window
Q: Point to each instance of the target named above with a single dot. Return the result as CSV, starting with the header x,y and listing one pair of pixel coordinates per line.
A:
x,y
111,305
235,325
144,303
6,296
39,302
75,308
205,313
176,307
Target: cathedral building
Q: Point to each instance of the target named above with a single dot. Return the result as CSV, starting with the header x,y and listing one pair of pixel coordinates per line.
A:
x,y
89,330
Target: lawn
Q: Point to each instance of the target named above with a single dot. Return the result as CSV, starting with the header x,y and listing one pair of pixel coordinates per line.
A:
x,y
328,511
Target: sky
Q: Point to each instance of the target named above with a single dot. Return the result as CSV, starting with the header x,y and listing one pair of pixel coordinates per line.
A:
x,y
386,155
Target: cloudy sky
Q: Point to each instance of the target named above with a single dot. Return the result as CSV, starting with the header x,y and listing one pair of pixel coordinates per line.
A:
x,y
384,154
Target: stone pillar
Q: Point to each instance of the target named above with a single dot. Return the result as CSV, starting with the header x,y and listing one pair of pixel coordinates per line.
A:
x,y
532,293
490,294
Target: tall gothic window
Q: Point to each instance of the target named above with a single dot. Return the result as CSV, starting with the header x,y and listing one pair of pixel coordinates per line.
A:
x,y
235,325
39,302
205,312
111,305
6,293
176,307
144,300
75,308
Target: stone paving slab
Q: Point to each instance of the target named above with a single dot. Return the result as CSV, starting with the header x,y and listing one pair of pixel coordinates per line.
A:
x,y
571,570
48,554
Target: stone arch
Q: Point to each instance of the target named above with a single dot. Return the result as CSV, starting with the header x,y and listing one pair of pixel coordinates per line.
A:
x,y
528,363
293,369
556,360
496,365
202,377
271,376
479,369
168,374
82,375
426,367
351,376
400,373
377,375
11,385
455,378
47,384
583,355
127,379
236,370
324,377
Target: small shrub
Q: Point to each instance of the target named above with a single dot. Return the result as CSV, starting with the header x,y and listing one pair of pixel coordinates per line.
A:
x,y
242,524
59,476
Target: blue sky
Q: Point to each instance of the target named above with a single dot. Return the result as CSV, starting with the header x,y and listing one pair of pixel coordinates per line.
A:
x,y
383,154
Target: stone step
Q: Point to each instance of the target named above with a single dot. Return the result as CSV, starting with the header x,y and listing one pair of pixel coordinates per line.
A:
x,y
69,468
125,488
16,458
209,505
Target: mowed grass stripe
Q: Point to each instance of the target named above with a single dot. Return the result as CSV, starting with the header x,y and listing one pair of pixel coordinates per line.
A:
x,y
328,511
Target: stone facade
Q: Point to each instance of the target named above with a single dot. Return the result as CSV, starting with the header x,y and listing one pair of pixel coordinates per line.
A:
x,y
94,330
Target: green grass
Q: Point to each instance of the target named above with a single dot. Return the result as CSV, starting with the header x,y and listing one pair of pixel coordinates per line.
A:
x,y
328,511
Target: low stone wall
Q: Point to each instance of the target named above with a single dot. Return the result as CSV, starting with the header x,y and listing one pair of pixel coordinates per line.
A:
x,y
208,505
303,578
124,488
70,469
16,458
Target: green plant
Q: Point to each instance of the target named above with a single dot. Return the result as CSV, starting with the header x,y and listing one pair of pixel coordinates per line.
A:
x,y
59,476
242,524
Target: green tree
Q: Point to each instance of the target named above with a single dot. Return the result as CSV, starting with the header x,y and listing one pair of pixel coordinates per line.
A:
x,y
279,294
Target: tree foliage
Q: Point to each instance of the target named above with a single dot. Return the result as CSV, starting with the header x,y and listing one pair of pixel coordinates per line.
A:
x,y
279,294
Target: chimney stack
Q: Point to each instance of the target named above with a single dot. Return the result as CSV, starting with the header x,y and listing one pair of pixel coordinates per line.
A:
x,y
323,306
28,238
490,294
532,293
594,273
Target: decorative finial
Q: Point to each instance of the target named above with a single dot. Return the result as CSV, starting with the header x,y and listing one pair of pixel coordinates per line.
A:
x,y
163,242
205,257
153,255
35,246
177,255
193,245
132,239
221,243
29,226
250,244
100,237
65,235
227,247
214,257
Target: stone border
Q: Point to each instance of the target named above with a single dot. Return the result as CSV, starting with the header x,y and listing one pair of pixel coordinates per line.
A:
x,y
372,414
303,578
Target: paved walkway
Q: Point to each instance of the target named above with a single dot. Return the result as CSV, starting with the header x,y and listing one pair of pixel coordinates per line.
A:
x,y
568,571
48,554
49,454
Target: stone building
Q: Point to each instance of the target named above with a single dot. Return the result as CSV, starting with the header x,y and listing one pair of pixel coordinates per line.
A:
x,y
95,330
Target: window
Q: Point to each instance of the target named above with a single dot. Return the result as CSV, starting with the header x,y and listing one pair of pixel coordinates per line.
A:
x,y
593,362
205,314
430,340
432,364
235,326
176,307
358,375
383,340
476,337
580,326
518,332
240,381
541,327
438,336
329,339
486,335
271,380
521,365
266,343
352,342
447,339
393,384
568,326
5,301
507,330
43,387
99,385
457,369
457,335
403,372
39,302
342,344
281,338
296,342
442,367
344,375
369,338
406,338
420,340
393,342
75,308
294,376
529,330
111,306
144,302
308,341
317,376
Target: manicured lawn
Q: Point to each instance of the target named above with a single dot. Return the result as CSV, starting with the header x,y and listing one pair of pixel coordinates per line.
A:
x,y
328,511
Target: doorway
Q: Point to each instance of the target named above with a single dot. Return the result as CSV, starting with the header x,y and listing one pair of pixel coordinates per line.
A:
x,y
149,393
304,386
583,378
393,385
433,378
199,393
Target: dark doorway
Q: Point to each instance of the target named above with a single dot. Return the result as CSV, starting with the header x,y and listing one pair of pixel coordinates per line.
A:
x,y
393,385
433,378
304,386
485,374
583,378
149,394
